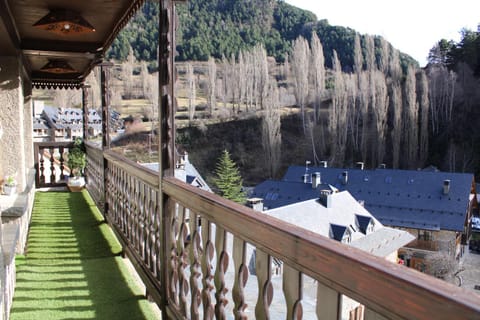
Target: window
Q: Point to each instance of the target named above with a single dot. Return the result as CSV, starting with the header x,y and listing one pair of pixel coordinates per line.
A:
x,y
425,235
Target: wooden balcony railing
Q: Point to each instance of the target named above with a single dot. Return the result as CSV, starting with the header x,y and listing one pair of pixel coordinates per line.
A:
x,y
50,163
193,250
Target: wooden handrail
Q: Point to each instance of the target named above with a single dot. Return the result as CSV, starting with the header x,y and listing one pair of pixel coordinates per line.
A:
x,y
392,290
385,289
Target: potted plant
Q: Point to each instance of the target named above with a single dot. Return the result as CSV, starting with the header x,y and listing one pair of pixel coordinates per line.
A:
x,y
10,185
76,161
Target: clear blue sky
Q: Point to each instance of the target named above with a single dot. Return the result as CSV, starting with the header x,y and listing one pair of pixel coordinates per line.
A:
x,y
412,26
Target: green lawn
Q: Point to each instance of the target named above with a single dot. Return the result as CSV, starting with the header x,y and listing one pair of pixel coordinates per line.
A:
x,y
72,268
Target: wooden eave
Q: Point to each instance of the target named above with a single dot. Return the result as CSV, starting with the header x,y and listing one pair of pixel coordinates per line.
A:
x,y
37,47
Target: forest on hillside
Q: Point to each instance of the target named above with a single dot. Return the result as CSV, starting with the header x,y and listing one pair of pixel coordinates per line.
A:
x,y
218,28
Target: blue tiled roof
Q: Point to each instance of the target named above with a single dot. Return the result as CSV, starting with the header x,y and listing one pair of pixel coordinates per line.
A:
x,y
401,198
277,194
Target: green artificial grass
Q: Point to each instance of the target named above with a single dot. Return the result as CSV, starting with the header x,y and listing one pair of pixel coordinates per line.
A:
x,y
72,268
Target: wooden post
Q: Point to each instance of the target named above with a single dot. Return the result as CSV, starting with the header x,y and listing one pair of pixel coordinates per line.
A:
x,y
85,88
166,78
105,92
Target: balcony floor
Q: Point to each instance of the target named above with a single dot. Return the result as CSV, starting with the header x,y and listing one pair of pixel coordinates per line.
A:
x,y
72,268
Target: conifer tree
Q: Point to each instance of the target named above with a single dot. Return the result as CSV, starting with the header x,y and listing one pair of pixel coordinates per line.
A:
x,y
228,180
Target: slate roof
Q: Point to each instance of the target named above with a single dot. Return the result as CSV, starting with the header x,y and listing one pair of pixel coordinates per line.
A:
x,y
281,193
400,198
72,118
40,124
340,216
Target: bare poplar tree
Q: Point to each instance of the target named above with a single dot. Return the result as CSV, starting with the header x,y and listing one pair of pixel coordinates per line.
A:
x,y
300,66
396,106
411,119
192,91
242,79
95,90
338,113
64,98
424,105
357,55
127,75
370,52
363,109
394,67
152,93
144,78
383,63
211,85
234,85
262,72
271,135
441,94
225,81
317,73
380,114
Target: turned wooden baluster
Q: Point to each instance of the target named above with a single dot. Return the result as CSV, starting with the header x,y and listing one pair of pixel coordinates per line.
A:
x,y
42,165
52,165
62,167
171,219
329,303
145,192
183,286
241,277
157,240
136,215
207,267
195,267
263,269
222,265
292,288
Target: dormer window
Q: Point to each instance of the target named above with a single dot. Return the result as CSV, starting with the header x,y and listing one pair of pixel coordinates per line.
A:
x,y
365,224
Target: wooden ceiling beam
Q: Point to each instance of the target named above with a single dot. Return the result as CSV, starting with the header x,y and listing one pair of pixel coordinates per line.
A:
x,y
61,54
31,45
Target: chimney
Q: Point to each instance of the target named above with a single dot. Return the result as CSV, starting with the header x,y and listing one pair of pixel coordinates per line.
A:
x,y
446,186
382,166
305,178
316,180
323,164
344,177
326,198
360,165
255,203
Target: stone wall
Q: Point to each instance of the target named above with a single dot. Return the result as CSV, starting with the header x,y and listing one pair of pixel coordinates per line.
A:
x,y
13,119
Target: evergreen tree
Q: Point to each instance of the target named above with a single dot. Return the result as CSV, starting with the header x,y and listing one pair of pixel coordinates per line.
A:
x,y
228,180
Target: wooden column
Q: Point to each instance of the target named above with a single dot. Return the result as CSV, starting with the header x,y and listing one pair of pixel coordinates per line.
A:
x,y
105,92
166,78
85,88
